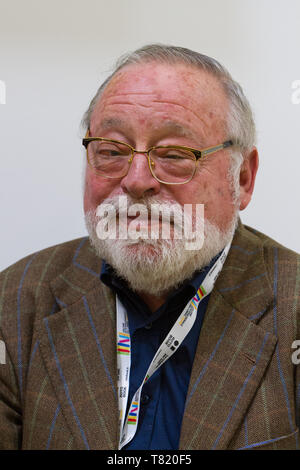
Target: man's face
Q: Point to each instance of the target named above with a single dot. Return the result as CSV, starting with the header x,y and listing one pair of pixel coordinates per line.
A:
x,y
150,105
157,104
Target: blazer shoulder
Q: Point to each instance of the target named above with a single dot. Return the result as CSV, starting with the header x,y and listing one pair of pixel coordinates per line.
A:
x,y
26,276
56,258
270,245
283,270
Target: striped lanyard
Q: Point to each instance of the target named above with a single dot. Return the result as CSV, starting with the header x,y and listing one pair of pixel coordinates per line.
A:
x,y
170,344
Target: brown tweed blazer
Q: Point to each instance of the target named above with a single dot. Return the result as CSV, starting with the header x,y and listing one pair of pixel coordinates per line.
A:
x,y
58,387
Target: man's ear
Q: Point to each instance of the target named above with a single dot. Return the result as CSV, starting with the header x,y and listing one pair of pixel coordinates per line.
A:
x,y
247,177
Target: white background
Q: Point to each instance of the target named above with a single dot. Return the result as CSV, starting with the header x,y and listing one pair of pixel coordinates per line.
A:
x,y
53,56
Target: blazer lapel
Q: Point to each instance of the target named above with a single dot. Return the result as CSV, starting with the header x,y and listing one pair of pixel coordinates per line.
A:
x,y
233,351
80,354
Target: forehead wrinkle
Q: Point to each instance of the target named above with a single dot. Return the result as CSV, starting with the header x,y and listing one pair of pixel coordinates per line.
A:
x,y
111,97
197,116
116,123
114,99
132,93
167,126
174,126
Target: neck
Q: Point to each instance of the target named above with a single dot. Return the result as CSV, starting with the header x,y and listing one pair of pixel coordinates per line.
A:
x,y
153,302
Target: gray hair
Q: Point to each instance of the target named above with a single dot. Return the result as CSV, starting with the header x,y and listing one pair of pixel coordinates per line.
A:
x,y
240,125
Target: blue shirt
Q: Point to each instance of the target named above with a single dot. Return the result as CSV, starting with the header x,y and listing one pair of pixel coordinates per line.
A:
x,y
163,396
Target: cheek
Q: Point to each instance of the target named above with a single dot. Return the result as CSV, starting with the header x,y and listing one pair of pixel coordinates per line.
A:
x,y
217,199
221,188
88,197
221,196
96,190
221,192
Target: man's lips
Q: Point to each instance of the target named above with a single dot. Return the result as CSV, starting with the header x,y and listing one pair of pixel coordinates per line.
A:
x,y
143,220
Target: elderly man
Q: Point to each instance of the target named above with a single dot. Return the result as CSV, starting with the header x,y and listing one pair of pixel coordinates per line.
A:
x,y
141,343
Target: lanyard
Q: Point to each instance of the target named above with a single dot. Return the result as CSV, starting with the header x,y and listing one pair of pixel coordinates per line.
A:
x,y
182,326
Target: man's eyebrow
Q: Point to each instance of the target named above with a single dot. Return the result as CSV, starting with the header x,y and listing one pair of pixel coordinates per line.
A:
x,y
176,128
109,123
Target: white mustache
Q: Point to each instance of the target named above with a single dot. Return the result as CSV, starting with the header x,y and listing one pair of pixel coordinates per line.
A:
x,y
165,217
151,209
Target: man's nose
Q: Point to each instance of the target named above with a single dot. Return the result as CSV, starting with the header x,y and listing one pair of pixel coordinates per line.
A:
x,y
139,180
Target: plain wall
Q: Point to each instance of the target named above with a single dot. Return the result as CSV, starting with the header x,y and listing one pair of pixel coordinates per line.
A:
x,y
53,57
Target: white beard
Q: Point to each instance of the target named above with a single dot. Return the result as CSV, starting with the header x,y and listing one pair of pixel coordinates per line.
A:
x,y
157,266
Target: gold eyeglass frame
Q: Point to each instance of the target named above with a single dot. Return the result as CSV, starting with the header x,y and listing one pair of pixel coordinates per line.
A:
x,y
197,153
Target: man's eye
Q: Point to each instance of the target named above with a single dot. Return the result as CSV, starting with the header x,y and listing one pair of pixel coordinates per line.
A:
x,y
108,153
174,156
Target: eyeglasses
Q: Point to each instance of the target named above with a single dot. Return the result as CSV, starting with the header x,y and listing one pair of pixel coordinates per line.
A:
x,y
169,164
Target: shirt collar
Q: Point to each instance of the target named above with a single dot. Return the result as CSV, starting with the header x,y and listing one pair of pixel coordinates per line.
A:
x,y
139,311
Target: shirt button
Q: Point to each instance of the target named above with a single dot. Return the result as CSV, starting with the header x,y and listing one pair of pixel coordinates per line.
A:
x,y
145,399
149,326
